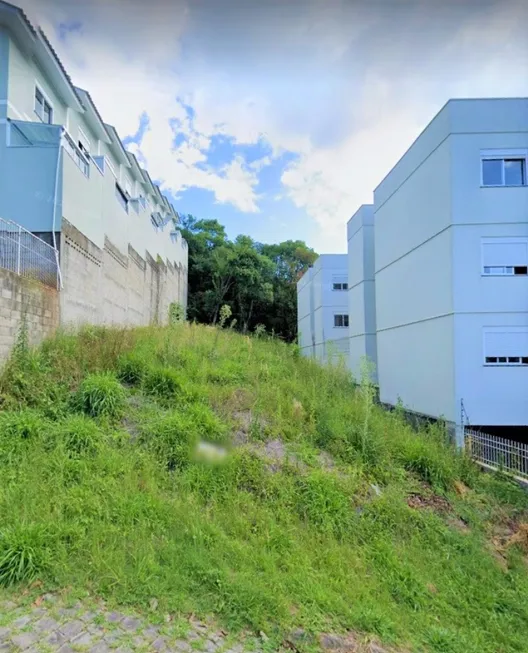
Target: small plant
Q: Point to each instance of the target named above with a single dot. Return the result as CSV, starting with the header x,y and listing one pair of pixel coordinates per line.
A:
x,y
131,369
176,313
25,424
79,435
225,314
260,330
23,555
163,382
173,438
101,395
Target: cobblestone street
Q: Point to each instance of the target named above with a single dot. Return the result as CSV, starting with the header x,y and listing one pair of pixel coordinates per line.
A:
x,y
50,625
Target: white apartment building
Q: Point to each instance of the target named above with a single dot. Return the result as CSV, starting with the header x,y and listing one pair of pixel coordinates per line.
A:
x,y
362,292
451,267
322,309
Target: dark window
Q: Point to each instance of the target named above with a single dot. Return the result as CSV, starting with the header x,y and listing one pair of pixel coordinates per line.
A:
x,y
491,359
340,320
524,360
520,269
345,286
502,359
121,197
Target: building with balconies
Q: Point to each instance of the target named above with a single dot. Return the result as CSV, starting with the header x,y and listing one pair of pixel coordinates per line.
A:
x,y
66,177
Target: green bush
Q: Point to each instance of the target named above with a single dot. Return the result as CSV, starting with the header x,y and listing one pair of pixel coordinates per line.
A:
x,y
131,369
432,462
24,424
24,554
163,382
101,395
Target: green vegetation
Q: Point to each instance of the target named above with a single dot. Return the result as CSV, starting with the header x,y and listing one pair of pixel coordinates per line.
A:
x,y
220,473
257,282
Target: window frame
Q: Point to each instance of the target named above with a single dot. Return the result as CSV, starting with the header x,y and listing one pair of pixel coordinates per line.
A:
x,y
121,197
506,240
504,155
346,319
45,101
496,361
343,286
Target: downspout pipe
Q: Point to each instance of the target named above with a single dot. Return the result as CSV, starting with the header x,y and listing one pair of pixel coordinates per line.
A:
x,y
55,196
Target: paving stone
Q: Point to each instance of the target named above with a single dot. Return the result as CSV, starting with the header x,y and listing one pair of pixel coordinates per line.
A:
x,y
114,635
87,616
46,625
8,605
130,623
84,639
181,645
123,649
159,644
55,639
72,628
21,622
66,649
24,640
6,647
66,612
151,631
4,633
100,647
115,617
38,612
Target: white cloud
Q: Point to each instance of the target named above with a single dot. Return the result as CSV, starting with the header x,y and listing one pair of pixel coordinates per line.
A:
x,y
345,85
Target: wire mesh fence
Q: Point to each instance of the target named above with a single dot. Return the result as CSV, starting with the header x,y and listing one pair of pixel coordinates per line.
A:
x,y
499,453
27,255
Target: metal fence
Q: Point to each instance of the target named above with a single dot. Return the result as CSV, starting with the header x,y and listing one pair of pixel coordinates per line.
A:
x,y
28,255
497,452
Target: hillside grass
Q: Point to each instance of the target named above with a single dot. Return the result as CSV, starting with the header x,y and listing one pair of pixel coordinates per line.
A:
x,y
321,512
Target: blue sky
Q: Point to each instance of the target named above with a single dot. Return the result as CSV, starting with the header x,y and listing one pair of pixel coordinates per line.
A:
x,y
279,119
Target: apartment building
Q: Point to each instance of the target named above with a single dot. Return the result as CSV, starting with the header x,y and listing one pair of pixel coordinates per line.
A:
x,y
362,293
322,301
65,176
451,267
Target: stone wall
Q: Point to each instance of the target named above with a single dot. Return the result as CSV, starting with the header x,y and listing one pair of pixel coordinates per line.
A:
x,y
19,298
108,286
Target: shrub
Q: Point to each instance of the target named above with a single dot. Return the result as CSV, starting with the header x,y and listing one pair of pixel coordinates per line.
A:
x,y
163,382
432,462
24,554
131,369
101,395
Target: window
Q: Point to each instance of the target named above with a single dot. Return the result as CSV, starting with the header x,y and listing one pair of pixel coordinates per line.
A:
x,y
504,169
76,154
121,197
505,256
506,346
339,282
84,143
174,236
43,108
340,286
340,321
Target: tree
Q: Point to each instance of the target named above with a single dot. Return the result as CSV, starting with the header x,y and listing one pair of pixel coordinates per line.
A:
x,y
257,281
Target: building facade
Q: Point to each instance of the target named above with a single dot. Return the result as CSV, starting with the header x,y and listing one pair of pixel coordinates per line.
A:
x,y
362,293
66,177
451,277
322,301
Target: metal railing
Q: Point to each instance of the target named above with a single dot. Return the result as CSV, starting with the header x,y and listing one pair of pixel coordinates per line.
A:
x,y
28,255
498,453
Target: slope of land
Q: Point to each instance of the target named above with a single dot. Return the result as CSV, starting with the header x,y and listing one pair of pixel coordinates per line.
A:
x,y
193,471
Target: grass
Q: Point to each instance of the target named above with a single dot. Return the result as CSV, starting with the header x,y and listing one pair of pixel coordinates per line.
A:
x,y
101,490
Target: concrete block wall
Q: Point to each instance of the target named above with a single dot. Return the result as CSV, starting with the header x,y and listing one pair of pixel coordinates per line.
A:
x,y
24,298
109,286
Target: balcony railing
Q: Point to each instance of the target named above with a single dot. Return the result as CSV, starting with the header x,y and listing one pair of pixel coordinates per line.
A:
x,y
498,453
80,159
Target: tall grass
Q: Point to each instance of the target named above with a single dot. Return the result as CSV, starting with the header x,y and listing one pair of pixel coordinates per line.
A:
x,y
306,525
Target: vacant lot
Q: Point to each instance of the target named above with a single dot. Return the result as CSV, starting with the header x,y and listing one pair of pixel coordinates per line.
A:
x,y
190,470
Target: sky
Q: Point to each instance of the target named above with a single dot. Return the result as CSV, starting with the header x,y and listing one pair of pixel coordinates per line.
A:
x,y
279,118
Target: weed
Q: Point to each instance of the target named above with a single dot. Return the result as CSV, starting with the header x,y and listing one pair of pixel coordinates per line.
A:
x,y
163,382
24,554
101,395
131,368
79,435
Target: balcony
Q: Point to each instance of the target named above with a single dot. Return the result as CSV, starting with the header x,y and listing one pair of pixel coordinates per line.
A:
x,y
23,133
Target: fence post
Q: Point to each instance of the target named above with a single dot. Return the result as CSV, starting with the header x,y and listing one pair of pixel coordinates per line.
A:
x,y
19,247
